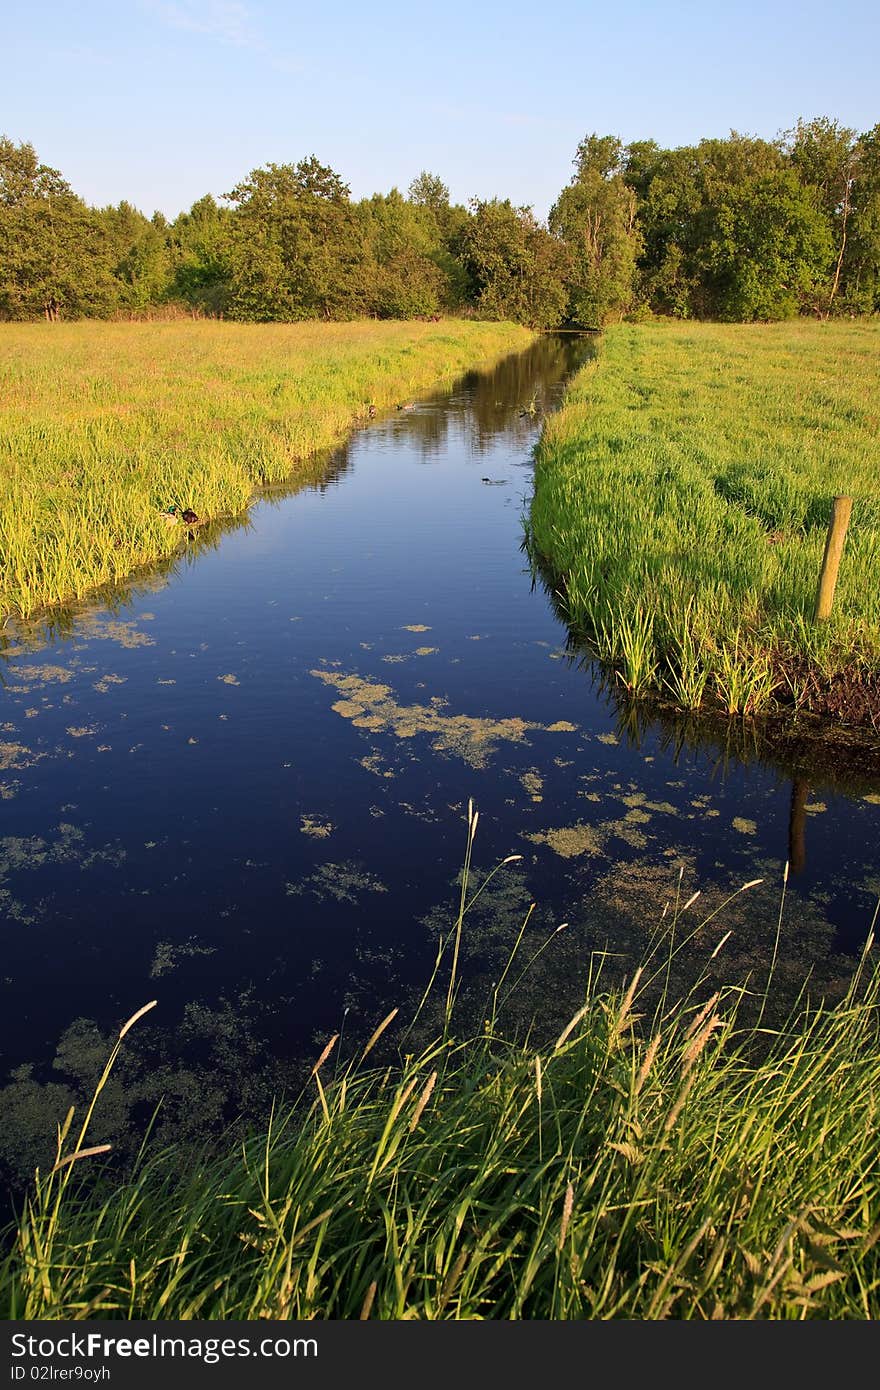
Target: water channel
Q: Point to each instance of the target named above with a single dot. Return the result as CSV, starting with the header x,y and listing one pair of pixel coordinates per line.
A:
x,y
239,783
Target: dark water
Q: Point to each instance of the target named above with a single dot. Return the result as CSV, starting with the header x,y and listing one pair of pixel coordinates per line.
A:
x,y
241,788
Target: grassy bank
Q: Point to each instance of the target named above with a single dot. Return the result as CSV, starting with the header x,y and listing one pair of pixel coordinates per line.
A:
x,y
103,426
682,498
656,1159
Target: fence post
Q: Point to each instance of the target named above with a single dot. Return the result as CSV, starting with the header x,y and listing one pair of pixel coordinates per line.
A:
x,y
840,515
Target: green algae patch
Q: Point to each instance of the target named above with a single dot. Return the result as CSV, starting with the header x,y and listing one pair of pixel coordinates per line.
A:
x,y
318,827
569,841
533,784
373,706
343,883
745,826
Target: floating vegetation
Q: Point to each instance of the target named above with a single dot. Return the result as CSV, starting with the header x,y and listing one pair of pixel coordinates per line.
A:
x,y
168,955
317,826
342,883
569,841
372,706
744,826
38,676
533,784
374,763
107,682
16,755
97,627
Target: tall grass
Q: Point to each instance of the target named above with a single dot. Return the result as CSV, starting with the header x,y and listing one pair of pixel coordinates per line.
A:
x,y
104,426
682,497
658,1158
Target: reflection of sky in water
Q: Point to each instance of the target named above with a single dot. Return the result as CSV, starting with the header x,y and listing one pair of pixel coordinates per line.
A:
x,y
249,779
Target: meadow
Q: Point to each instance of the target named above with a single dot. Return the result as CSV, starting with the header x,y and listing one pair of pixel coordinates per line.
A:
x,y
105,427
682,499
661,1157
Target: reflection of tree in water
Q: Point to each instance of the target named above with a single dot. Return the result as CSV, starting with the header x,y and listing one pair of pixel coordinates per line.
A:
x,y
509,399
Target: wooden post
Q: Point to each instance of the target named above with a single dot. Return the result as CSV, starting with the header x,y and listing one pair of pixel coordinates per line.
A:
x,y
840,516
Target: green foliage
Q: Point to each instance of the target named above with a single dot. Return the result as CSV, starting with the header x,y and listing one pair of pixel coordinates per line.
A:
x,y
729,231
55,256
738,229
860,292
517,268
297,249
201,244
766,251
596,219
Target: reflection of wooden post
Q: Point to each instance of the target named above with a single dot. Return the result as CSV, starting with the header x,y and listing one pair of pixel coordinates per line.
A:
x,y
840,515
797,820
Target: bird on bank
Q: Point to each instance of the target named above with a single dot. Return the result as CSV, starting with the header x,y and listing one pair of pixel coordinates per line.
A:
x,y
410,406
187,516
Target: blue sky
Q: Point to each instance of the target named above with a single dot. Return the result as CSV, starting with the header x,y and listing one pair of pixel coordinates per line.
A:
x,y
160,101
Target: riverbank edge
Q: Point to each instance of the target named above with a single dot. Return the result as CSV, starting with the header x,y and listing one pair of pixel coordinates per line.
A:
x,y
478,345
806,705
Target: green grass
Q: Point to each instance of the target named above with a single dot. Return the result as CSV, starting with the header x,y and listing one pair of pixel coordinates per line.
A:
x,y
657,1159
102,426
682,497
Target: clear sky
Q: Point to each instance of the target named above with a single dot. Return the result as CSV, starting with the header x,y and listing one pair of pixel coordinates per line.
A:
x,y
160,101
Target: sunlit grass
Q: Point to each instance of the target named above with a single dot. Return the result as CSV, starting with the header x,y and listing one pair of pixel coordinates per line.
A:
x,y
681,503
658,1158
103,426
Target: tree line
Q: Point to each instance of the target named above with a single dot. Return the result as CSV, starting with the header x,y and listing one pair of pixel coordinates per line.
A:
x,y
736,229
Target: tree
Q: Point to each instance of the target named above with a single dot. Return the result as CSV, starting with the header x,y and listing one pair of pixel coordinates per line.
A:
x,y
55,257
201,249
518,269
862,283
403,240
596,218
767,250
429,191
825,157
730,231
141,255
296,247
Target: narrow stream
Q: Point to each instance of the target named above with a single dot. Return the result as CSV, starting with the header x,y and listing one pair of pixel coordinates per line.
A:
x,y
240,786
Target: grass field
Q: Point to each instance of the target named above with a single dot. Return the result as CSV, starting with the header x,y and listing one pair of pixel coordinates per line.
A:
x,y
659,1158
103,426
681,503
